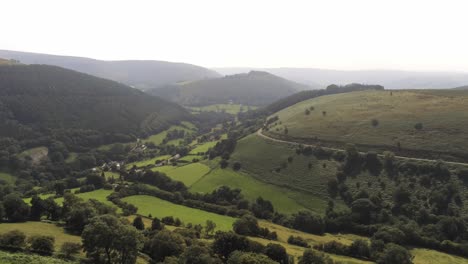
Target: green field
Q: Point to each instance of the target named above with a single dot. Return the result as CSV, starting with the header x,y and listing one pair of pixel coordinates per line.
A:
x,y
226,108
160,208
188,174
203,148
7,177
27,258
348,118
157,139
428,256
100,195
268,162
147,162
40,228
283,199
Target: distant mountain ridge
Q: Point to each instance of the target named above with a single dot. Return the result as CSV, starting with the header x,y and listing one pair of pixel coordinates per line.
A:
x,y
254,88
141,74
390,79
41,102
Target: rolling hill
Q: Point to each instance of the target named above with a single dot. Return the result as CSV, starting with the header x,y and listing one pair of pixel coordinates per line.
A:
x,y
391,79
141,74
422,123
254,88
39,101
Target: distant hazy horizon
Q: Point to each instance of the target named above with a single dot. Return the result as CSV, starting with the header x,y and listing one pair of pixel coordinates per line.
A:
x,y
339,35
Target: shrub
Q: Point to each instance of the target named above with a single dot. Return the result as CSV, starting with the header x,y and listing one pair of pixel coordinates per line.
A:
x,y
418,126
277,253
14,239
138,223
236,166
313,257
42,244
298,241
375,122
168,220
223,163
395,254
69,249
307,112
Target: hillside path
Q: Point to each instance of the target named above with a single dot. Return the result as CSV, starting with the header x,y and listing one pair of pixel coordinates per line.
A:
x,y
259,133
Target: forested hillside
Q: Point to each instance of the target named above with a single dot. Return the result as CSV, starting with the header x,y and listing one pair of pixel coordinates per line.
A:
x,y
255,88
143,75
40,102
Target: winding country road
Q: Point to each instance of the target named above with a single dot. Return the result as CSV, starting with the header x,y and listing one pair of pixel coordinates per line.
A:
x,y
259,133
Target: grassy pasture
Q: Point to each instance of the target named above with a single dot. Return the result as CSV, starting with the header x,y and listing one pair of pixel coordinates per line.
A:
x,y
262,158
421,255
157,139
428,256
204,147
283,199
188,174
161,208
227,108
99,195
348,118
40,228
296,251
147,162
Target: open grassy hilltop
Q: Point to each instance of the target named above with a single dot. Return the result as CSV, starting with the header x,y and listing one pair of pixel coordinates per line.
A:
x,y
413,122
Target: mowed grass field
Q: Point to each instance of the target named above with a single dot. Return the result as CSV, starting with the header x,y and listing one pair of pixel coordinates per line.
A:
x,y
160,208
40,228
188,174
348,118
227,108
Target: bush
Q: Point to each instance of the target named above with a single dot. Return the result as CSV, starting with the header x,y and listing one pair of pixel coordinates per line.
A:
x,y
298,241
418,126
277,253
375,122
138,223
42,244
14,240
69,249
395,254
223,163
168,220
236,166
313,257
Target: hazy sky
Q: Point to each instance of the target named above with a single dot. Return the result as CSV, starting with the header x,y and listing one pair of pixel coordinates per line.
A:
x,y
348,34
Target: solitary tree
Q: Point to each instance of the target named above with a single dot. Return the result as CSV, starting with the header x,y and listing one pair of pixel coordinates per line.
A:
x,y
138,223
209,227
